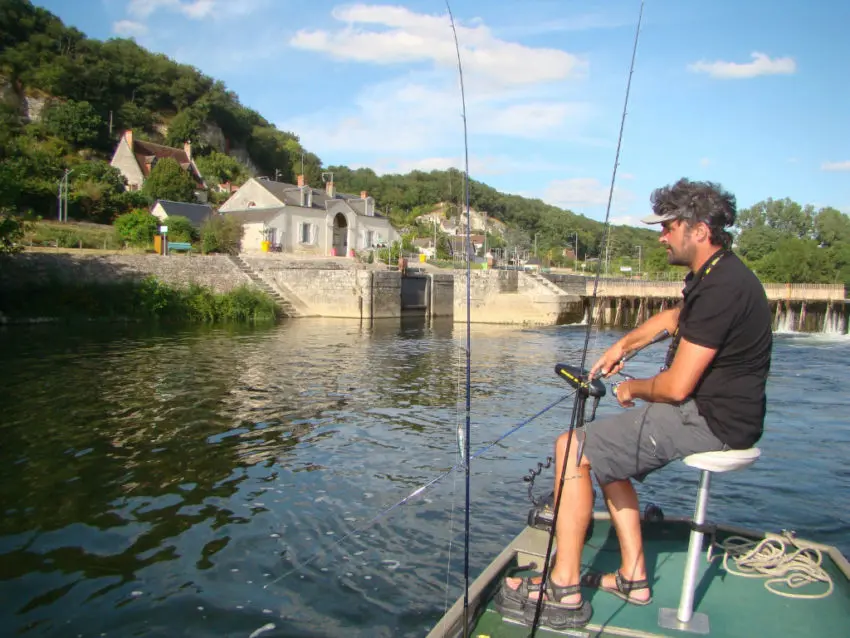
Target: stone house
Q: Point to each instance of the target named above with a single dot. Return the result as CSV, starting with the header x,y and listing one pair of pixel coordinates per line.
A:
x,y
299,219
195,213
136,158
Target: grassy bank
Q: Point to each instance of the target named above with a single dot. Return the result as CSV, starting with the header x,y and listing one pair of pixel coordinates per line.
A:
x,y
148,299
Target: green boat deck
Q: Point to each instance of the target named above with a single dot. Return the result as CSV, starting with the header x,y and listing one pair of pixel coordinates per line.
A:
x,y
736,606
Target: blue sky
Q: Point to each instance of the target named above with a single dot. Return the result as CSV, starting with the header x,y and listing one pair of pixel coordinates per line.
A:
x,y
751,94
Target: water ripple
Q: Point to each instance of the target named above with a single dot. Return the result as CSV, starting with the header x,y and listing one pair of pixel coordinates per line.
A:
x,y
198,481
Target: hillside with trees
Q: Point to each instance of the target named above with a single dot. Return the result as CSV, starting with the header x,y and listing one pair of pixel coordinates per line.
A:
x,y
65,100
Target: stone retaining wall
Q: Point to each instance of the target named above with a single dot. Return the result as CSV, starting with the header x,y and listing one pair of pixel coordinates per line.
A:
x,y
31,269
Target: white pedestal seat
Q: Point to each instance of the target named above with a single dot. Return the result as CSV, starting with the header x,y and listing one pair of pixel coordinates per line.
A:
x,y
684,618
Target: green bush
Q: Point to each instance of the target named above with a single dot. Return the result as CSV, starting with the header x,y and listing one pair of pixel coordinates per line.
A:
x,y
221,234
180,229
147,299
137,228
11,233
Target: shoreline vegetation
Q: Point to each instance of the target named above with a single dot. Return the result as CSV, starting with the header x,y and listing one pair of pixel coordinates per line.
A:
x,y
146,300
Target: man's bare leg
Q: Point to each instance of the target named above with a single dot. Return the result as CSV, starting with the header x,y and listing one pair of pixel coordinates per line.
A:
x,y
622,502
574,515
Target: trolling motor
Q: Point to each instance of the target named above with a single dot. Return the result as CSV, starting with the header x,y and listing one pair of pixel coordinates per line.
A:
x,y
541,515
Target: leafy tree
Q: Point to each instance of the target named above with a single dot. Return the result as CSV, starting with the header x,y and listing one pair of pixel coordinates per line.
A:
x,y
137,228
788,217
795,261
186,127
831,227
218,168
180,229
169,181
75,122
221,234
11,232
757,242
96,190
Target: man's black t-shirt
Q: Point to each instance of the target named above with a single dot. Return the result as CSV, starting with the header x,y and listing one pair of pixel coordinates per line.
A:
x,y
725,307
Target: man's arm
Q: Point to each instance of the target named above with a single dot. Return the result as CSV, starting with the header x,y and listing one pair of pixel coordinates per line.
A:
x,y
673,385
640,336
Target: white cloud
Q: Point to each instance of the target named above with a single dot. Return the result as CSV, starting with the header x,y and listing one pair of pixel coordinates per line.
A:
x,y
193,9
398,35
129,28
405,118
198,10
626,175
580,192
628,220
478,165
761,65
705,161
143,8
835,166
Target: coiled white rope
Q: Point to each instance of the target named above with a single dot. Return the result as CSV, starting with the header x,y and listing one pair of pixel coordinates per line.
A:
x,y
780,560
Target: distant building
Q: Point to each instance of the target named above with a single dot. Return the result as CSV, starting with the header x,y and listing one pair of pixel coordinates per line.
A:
x,y
299,219
136,159
195,213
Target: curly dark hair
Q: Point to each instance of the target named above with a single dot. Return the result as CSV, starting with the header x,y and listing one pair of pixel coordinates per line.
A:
x,y
697,202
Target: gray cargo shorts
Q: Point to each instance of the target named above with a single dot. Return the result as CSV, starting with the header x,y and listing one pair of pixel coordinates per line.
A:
x,y
641,440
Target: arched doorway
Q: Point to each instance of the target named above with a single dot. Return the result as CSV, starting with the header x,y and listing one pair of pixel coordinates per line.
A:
x,y
340,242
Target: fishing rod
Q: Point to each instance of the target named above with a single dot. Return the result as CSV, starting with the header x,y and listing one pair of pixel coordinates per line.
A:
x,y
578,395
463,441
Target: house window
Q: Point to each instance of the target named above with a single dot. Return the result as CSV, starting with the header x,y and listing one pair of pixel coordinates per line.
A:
x,y
370,238
307,233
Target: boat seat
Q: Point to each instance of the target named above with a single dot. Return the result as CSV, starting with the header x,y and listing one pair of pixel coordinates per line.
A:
x,y
684,618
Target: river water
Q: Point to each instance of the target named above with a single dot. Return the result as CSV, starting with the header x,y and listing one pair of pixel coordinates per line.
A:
x,y
231,481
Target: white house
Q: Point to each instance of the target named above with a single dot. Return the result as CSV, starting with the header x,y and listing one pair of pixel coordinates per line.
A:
x,y
136,159
300,219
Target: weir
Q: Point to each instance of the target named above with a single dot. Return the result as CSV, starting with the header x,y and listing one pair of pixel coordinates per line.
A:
x,y
625,303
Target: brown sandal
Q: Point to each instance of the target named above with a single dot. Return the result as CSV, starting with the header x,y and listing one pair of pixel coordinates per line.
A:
x,y
623,589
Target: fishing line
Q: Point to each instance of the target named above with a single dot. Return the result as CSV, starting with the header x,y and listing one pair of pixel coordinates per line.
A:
x,y
539,604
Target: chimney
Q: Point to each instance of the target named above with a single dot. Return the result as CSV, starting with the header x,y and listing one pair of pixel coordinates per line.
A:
x,y
128,135
363,194
300,181
329,188
187,146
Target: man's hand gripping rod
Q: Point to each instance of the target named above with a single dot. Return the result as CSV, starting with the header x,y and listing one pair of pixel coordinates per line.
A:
x,y
587,386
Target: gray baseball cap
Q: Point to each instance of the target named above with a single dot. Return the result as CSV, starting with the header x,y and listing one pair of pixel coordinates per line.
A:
x,y
658,219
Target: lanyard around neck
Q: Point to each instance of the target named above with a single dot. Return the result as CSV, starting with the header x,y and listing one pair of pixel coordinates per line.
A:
x,y
674,344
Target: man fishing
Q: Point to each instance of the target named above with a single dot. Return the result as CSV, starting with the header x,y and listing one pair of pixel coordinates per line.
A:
x,y
709,396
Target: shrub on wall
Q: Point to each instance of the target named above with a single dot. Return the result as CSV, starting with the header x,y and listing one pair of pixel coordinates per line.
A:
x,y
221,234
136,228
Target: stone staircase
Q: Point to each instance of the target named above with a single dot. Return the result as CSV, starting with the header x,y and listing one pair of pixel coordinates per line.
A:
x,y
543,281
288,308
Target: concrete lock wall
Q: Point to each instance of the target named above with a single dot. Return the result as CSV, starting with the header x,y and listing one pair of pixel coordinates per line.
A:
x,y
442,301
320,291
510,297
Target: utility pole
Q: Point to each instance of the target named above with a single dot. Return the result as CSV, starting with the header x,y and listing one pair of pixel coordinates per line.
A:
x,y
63,196
576,266
640,258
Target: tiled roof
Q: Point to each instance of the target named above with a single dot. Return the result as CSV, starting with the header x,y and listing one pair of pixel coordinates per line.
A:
x,y
256,214
290,195
145,152
196,213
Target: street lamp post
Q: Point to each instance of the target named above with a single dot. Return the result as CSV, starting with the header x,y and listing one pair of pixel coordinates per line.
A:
x,y
63,196
640,260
